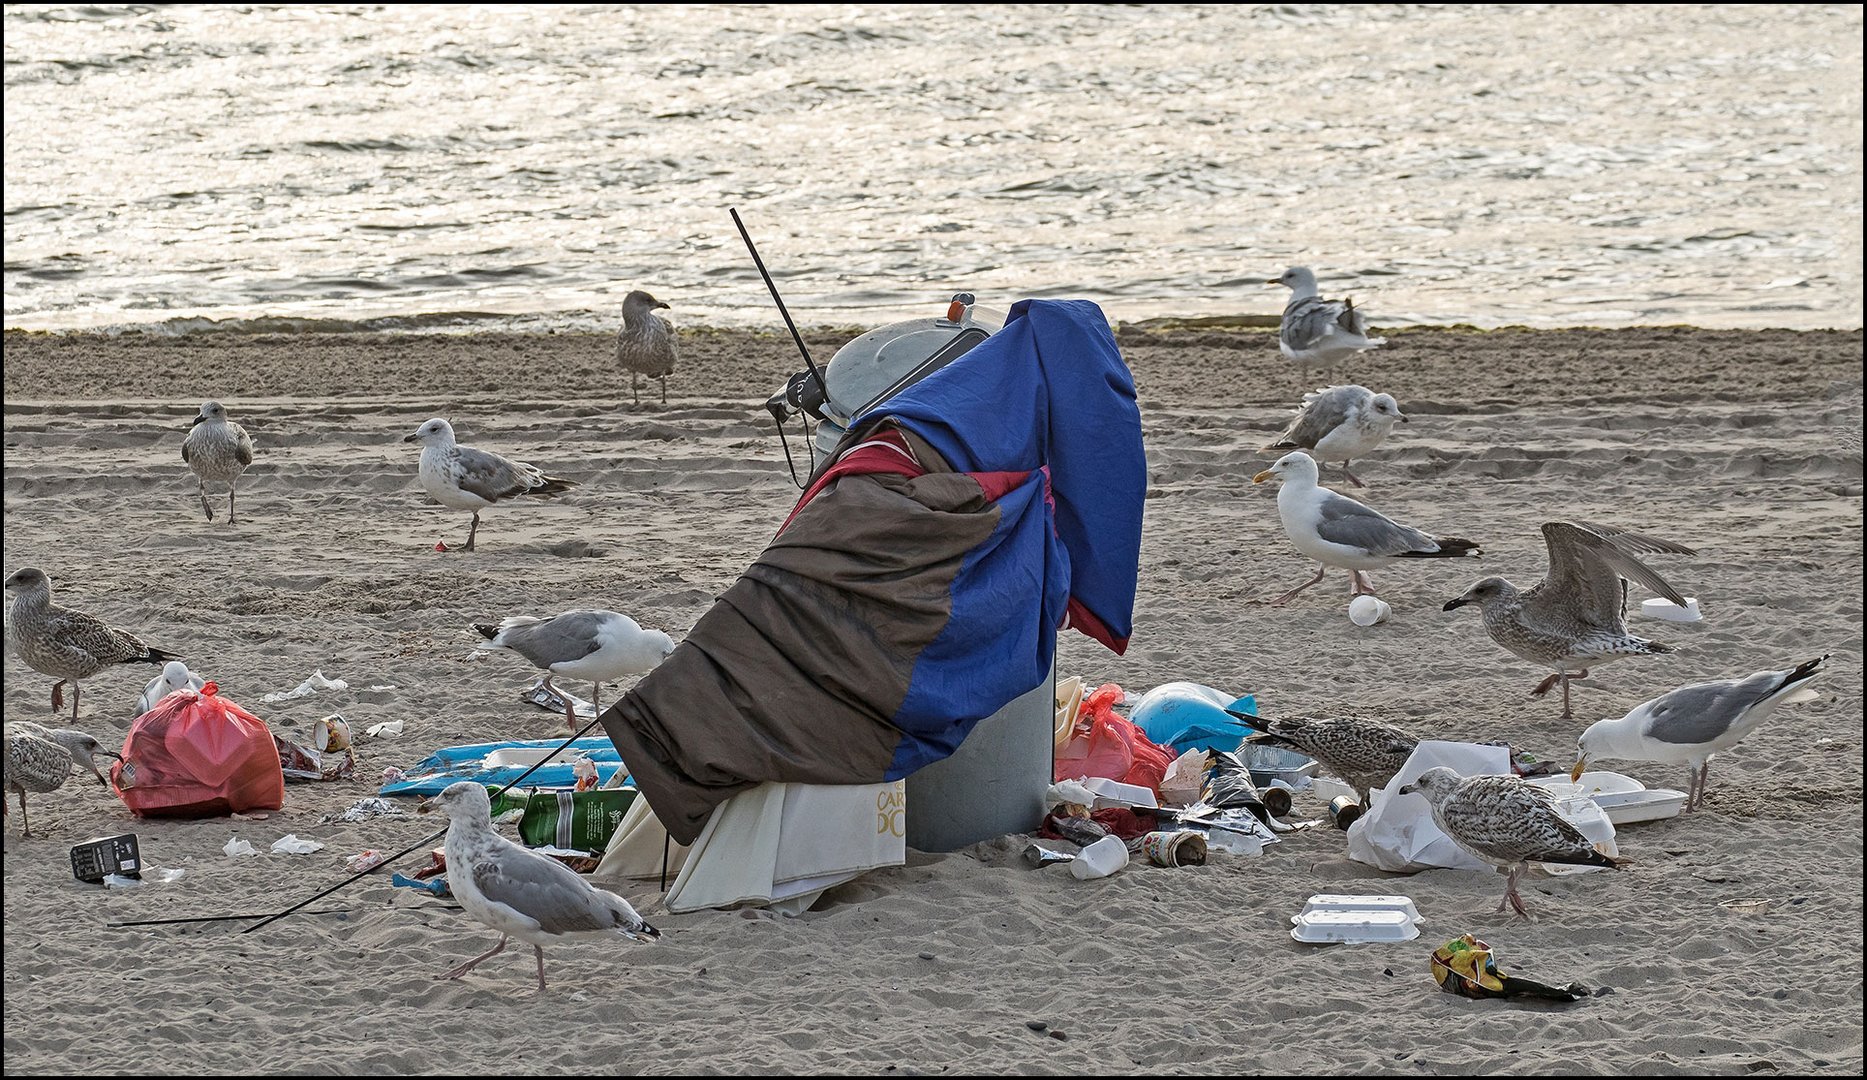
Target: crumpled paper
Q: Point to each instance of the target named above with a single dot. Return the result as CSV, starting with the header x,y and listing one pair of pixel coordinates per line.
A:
x,y
310,686
290,844
388,729
237,846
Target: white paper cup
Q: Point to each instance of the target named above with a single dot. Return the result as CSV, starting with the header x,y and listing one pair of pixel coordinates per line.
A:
x,y
1366,610
1100,859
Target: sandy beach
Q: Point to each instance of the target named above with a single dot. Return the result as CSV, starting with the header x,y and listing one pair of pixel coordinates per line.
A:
x,y
1744,444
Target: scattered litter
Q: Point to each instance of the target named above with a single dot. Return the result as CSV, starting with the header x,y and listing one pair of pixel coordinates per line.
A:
x,y
163,877
1100,859
1464,966
118,881
329,755
585,771
552,698
366,810
290,844
102,855
1748,905
437,886
1181,848
237,846
388,729
310,686
1334,926
365,860
379,688
1036,855
392,775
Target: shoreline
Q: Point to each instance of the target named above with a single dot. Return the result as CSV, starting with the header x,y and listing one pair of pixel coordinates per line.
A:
x,y
1445,369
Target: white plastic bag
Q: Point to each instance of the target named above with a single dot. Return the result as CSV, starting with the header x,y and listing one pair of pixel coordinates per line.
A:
x,y
1398,834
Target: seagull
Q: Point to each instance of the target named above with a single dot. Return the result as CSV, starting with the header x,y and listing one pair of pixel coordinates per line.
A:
x,y
1576,616
1316,331
218,450
40,759
1506,822
645,345
1335,530
175,676
517,892
588,643
1339,423
69,645
1694,722
462,478
1364,753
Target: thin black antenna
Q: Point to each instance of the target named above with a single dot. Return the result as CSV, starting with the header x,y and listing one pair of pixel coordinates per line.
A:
x,y
779,300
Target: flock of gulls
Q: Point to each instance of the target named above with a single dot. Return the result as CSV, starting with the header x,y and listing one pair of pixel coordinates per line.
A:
x,y
1571,621
1574,620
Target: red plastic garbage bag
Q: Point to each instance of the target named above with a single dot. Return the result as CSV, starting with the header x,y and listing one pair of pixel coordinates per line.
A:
x,y
196,754
1107,744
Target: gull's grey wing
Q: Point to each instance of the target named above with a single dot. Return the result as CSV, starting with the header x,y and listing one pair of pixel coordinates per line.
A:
x,y
1586,563
546,891
1309,320
491,477
1321,413
1698,714
1345,521
570,636
243,445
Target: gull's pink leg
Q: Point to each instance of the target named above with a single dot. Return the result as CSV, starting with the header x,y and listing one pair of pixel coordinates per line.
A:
x,y
1286,598
1363,584
469,965
539,949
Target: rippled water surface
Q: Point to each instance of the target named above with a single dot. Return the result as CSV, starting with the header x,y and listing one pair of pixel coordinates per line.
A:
x,y
1540,165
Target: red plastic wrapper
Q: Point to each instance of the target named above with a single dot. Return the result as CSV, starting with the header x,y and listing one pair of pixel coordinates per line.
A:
x,y
197,754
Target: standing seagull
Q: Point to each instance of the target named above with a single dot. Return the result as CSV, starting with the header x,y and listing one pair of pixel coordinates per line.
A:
x,y
67,644
462,478
218,450
1318,332
1576,616
1335,530
1694,722
1341,423
517,892
1364,753
588,643
645,346
1506,822
40,759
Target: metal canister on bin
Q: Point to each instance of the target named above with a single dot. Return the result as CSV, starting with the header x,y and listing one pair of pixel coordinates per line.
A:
x,y
1344,809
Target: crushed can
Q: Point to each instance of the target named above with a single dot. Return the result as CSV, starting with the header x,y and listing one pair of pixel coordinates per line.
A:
x,y
101,856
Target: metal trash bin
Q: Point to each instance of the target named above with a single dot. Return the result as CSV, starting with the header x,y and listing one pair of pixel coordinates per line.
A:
x,y
994,783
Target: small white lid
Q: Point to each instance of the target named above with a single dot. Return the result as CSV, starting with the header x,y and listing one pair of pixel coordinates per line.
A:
x,y
1657,607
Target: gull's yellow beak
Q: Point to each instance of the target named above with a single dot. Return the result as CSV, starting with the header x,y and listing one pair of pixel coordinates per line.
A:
x,y
1261,477
426,807
1274,281
1575,774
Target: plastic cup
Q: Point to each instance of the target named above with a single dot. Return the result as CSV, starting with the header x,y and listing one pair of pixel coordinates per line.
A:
x,y
1100,859
1366,610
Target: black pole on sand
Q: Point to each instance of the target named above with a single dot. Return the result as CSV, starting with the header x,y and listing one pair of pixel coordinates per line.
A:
x,y
782,310
417,846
